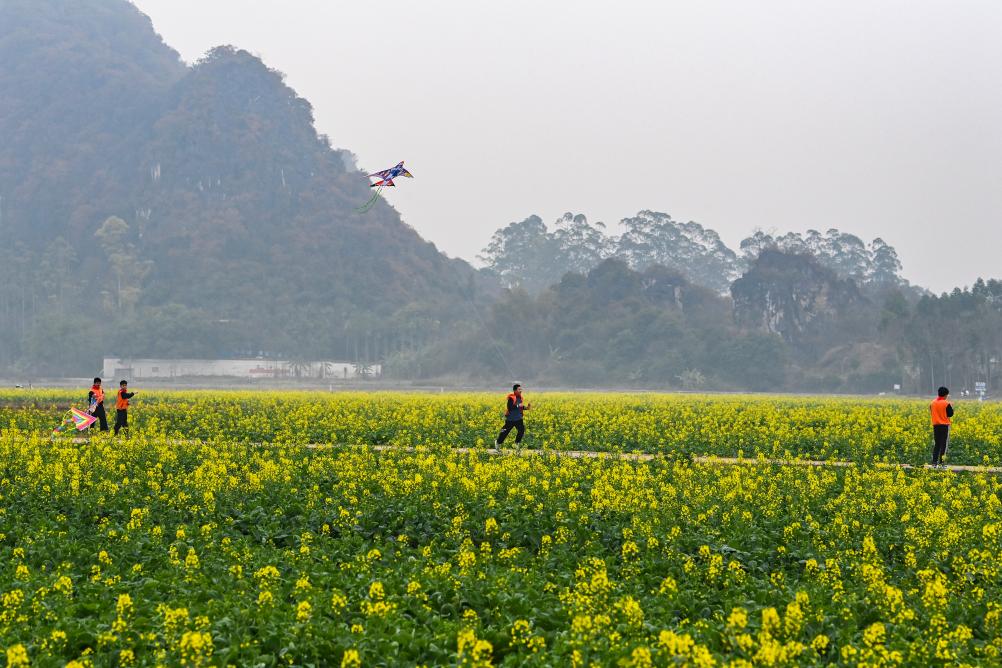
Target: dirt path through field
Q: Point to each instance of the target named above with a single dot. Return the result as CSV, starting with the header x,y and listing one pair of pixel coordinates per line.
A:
x,y
706,459
646,456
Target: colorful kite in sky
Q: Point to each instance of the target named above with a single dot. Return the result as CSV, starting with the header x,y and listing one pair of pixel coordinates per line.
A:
x,y
384,179
74,418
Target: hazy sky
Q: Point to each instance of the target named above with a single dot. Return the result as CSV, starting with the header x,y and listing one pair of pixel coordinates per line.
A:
x,y
879,117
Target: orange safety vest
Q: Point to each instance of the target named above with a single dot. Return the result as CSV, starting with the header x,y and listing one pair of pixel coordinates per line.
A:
x,y
121,403
938,410
98,394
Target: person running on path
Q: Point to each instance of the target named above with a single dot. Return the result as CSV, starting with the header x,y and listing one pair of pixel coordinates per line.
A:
x,y
513,414
122,406
95,400
941,411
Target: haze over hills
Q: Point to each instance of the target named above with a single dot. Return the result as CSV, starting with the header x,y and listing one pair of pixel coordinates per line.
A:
x,y
228,205
153,208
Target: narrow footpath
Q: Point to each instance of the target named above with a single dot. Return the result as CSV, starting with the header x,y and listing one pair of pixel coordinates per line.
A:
x,y
703,459
646,457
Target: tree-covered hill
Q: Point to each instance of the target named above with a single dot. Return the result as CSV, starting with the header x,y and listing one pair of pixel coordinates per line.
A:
x,y
616,326
134,189
79,81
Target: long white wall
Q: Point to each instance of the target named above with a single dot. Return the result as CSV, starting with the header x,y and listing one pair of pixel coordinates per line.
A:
x,y
129,369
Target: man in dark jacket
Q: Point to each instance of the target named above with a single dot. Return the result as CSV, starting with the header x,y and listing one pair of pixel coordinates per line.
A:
x,y
95,401
513,414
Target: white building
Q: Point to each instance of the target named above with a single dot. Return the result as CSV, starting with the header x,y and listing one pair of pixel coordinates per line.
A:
x,y
116,369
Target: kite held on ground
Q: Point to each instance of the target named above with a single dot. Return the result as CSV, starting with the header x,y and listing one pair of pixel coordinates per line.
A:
x,y
384,179
75,418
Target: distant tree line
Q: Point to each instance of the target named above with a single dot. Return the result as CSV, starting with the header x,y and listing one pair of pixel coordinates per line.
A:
x,y
532,255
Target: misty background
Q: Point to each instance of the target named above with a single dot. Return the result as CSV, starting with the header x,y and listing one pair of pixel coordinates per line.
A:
x,y
878,118
716,197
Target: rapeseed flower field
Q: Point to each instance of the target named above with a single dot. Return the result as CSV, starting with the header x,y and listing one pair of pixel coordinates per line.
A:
x,y
893,430
213,537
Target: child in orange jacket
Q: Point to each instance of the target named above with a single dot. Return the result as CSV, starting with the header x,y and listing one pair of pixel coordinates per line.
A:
x,y
122,406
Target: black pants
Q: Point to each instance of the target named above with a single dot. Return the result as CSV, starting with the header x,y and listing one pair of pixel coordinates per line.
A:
x,y
941,436
101,416
517,425
121,420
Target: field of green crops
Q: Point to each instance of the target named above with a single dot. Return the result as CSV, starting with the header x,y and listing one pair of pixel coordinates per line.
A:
x,y
212,536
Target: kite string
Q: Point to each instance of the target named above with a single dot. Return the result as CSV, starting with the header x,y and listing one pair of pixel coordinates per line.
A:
x,y
372,201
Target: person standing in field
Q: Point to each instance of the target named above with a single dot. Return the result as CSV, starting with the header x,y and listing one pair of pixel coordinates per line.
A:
x,y
513,414
95,401
941,411
122,406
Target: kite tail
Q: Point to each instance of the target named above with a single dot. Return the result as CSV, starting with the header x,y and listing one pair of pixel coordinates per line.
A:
x,y
67,421
372,201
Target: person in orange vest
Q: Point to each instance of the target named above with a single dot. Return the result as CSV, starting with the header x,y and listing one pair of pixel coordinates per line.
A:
x,y
513,414
95,401
941,411
122,406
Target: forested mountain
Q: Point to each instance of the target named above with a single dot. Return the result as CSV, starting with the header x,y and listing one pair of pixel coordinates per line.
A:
x,y
157,209
828,311
617,326
796,298
788,323
81,81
